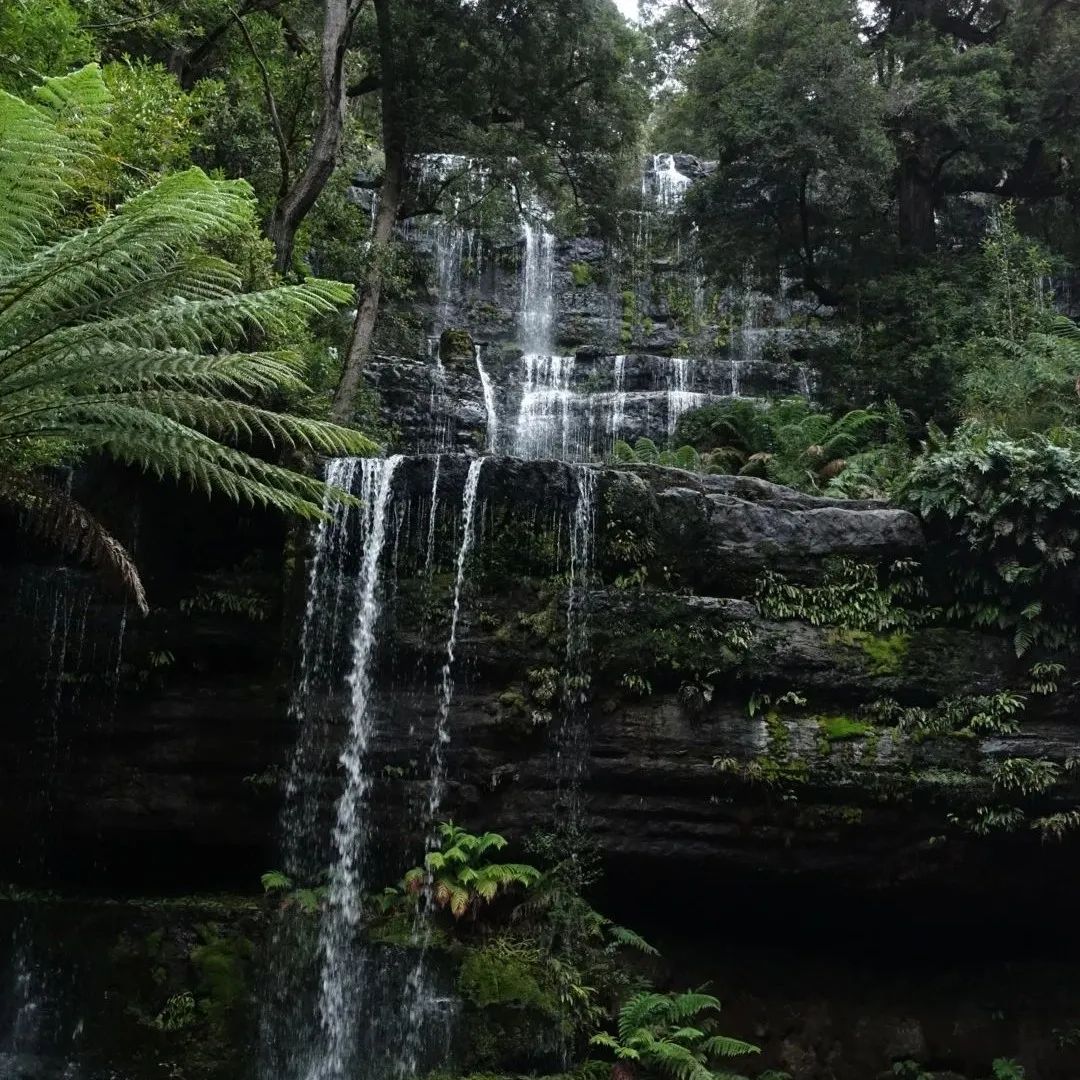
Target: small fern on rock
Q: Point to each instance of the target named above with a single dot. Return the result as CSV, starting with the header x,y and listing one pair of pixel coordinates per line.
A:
x,y
672,1035
460,877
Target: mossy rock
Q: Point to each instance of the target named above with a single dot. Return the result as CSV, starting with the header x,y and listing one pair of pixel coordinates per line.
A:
x,y
886,653
457,349
581,273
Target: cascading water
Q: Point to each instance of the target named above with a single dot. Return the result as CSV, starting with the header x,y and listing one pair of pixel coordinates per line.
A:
x,y
538,289
663,184
424,1007
680,398
572,741
40,1024
330,1052
446,674
490,404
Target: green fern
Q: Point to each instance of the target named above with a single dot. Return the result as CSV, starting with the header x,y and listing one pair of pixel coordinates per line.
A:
x,y
126,339
459,877
672,1034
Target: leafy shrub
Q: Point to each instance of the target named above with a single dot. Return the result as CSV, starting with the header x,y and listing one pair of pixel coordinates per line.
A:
x,y
791,442
1004,518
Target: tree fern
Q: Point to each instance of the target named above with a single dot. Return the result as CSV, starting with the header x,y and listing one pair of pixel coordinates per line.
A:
x,y
127,339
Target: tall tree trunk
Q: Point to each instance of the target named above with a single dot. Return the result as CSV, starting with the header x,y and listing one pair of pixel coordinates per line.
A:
x,y
297,197
391,193
915,193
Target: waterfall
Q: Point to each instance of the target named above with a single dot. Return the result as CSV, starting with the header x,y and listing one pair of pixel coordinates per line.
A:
x,y
422,1003
543,427
618,404
489,403
680,398
429,553
446,687
663,184
342,975
572,743
537,315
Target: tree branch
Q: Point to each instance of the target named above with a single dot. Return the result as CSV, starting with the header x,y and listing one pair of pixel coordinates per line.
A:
x,y
688,5
284,156
367,85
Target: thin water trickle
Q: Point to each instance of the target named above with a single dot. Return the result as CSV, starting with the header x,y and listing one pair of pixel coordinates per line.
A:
x,y
424,1007
342,963
446,674
490,405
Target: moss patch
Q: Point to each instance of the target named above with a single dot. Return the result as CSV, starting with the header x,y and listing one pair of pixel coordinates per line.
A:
x,y
886,653
840,727
582,274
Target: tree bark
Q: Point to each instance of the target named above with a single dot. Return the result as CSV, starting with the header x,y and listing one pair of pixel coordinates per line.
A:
x,y
391,193
915,192
299,196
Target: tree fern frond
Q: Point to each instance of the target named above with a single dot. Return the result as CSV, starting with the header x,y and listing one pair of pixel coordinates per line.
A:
x,y
61,521
629,938
724,1046
692,1003
641,1010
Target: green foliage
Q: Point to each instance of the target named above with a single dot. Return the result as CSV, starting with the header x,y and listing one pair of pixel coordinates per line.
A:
x,y
125,338
978,714
792,442
1004,516
155,127
673,1035
886,653
178,1013
505,972
308,901
1044,677
39,38
793,112
1024,775
581,273
855,597
839,728
1008,1069
222,967
460,877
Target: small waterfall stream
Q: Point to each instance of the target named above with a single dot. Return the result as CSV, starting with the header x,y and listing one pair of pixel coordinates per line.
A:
x,y
342,963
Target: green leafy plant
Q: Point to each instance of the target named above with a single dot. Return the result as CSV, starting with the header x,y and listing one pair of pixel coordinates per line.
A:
x,y
1004,517
460,877
673,1035
1024,775
1007,1069
852,595
790,441
179,1012
305,899
127,339
1044,677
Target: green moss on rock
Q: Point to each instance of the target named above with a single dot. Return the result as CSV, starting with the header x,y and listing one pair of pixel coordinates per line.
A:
x,y
886,653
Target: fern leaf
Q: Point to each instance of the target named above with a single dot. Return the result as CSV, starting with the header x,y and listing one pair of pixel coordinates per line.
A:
x,y
623,936
724,1046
